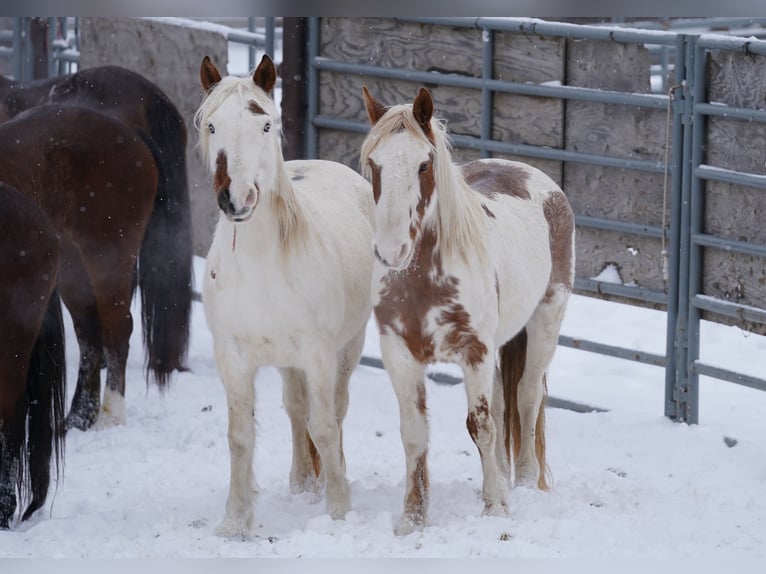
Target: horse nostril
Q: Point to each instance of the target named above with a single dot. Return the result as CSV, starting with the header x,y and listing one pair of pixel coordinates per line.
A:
x,y
224,201
403,252
251,198
378,256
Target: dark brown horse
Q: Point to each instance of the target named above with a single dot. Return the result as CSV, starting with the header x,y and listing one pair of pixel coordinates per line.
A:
x,y
138,103
32,368
97,181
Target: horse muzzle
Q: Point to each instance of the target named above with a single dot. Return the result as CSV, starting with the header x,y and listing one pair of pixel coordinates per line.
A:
x,y
230,210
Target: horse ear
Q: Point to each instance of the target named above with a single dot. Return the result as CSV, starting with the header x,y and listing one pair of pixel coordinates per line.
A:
x,y
265,75
423,109
375,109
208,74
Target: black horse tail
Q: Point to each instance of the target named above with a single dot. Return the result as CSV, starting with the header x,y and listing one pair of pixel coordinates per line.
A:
x,y
165,260
46,397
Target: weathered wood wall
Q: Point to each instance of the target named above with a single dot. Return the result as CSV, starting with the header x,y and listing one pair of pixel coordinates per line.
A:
x,y
612,193
169,55
736,212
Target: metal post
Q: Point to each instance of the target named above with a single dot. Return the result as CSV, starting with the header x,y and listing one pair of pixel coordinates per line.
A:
x,y
294,87
678,165
696,218
488,56
676,396
313,88
251,48
270,26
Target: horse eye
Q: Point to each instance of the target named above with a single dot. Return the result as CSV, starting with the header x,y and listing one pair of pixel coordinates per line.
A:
x,y
211,128
266,128
423,167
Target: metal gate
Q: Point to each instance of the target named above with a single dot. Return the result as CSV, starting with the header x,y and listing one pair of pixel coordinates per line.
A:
x,y
684,167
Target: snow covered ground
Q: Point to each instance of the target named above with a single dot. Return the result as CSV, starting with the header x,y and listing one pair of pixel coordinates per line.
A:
x,y
627,482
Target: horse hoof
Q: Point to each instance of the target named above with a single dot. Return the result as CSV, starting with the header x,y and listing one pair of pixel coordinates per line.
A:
x,y
339,510
407,525
499,509
527,476
81,421
300,486
232,529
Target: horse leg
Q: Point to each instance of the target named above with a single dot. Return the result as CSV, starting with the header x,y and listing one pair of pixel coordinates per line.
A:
x,y
497,411
79,300
238,380
542,338
408,379
348,359
12,421
110,269
324,429
479,383
306,464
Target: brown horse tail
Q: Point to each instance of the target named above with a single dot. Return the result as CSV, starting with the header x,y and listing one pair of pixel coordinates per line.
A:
x,y
165,264
46,395
513,359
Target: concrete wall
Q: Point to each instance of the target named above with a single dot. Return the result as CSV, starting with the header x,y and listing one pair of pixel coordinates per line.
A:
x,y
168,54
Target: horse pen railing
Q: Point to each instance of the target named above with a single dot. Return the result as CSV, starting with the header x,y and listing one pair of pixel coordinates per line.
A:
x,y
669,153
586,105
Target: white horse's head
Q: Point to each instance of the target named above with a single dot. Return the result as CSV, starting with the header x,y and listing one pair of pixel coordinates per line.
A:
x,y
398,157
239,132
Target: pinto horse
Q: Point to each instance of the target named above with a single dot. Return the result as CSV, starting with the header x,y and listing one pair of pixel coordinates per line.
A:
x,y
32,360
138,103
286,284
97,181
472,262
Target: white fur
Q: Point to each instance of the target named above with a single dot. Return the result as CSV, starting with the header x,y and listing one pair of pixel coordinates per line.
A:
x,y
509,252
289,288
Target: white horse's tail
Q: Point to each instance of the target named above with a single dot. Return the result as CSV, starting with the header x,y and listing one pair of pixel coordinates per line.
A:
x,y
513,359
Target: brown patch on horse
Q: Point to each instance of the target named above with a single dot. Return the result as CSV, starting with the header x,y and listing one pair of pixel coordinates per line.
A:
x,y
375,170
415,505
316,461
462,338
427,185
478,419
420,402
560,220
495,178
221,179
407,297
253,106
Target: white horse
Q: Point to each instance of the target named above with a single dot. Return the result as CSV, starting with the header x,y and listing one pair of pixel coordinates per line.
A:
x,y
286,284
472,262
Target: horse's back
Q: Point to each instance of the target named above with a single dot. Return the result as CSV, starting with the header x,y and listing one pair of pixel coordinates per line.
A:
x,y
333,188
531,233
64,154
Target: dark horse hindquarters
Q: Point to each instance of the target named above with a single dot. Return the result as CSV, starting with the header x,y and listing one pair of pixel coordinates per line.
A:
x,y
165,264
32,362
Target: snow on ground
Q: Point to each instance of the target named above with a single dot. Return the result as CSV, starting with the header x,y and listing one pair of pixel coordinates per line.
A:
x,y
627,482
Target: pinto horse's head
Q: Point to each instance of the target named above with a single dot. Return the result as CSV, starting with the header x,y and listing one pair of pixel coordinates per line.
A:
x,y
398,156
239,132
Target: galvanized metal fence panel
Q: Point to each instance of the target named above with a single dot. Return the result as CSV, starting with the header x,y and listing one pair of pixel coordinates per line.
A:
x,y
683,166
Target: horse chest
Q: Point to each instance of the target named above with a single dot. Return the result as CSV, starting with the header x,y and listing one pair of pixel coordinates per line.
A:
x,y
432,317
